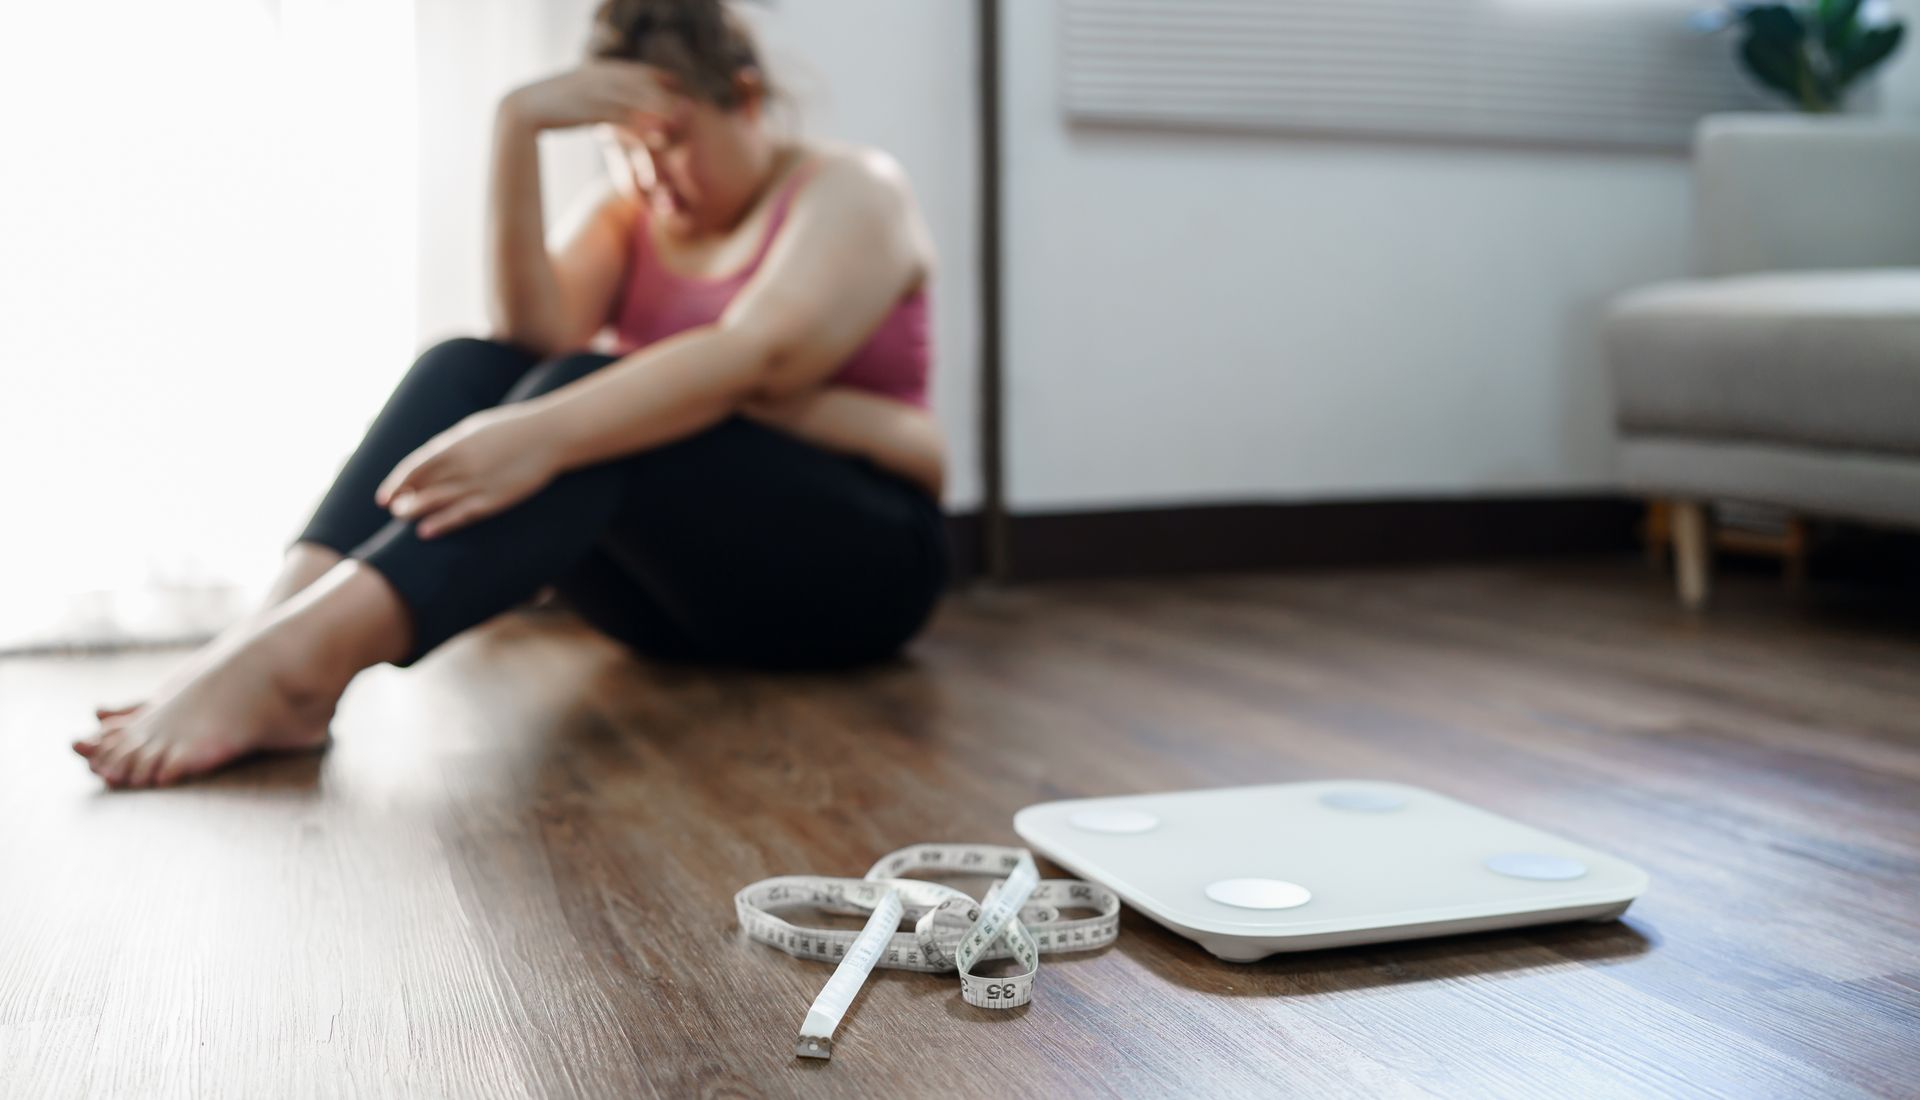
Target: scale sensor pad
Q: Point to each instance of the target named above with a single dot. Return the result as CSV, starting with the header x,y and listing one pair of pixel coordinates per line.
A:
x,y
1251,871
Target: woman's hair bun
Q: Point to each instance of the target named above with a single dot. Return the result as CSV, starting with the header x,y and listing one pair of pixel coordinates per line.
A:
x,y
703,43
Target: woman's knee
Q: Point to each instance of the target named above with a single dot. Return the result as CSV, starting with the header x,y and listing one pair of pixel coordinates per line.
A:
x,y
558,372
487,365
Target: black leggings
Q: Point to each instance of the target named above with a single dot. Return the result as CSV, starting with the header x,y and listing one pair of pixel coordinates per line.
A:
x,y
737,545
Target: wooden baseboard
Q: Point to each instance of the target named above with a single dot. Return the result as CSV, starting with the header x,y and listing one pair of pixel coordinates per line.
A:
x,y
1230,537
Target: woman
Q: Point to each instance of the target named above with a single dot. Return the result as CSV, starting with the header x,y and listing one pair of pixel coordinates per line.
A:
x,y
752,478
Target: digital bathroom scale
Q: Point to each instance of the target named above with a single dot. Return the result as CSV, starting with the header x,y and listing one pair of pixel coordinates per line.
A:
x,y
1251,871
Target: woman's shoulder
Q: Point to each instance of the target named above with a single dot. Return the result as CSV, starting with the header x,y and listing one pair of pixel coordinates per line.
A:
x,y
857,171
869,186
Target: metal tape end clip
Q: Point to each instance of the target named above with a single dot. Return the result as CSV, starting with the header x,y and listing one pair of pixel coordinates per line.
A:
x,y
813,1046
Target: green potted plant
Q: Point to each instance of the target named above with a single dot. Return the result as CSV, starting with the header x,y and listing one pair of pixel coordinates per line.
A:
x,y
1814,52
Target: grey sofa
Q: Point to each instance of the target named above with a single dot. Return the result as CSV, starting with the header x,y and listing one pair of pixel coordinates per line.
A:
x,y
1788,373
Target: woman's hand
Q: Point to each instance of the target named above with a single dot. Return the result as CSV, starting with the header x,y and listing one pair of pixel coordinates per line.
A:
x,y
625,93
487,463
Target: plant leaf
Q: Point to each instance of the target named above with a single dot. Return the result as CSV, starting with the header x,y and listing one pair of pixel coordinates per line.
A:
x,y
1839,22
1776,23
1868,51
1771,64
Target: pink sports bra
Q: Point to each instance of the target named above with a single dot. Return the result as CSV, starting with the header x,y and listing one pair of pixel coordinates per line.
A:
x,y
656,303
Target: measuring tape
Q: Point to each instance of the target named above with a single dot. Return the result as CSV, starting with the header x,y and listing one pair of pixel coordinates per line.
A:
x,y
1019,918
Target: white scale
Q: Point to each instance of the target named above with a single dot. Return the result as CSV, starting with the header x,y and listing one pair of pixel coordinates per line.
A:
x,y
1251,871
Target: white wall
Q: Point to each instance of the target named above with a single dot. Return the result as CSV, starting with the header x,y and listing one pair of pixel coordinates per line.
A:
x,y
1213,317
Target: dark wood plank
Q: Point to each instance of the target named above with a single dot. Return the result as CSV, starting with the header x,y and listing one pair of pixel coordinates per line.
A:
x,y
513,873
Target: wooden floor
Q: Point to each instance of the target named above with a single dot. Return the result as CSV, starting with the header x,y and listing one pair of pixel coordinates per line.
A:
x,y
513,873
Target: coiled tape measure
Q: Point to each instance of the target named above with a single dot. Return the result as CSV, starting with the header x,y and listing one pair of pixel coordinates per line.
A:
x,y
1019,918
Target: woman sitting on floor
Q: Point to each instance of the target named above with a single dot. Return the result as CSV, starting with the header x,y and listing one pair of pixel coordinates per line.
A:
x,y
751,477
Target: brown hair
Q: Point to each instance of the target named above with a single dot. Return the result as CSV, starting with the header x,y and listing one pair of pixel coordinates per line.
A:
x,y
701,42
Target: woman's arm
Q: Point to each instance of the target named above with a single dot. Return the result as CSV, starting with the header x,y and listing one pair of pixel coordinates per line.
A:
x,y
552,302
852,244
850,248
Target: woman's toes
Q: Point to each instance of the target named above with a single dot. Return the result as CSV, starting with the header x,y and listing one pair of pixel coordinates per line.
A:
x,y
104,713
140,769
117,777
110,733
168,770
110,763
107,768
96,746
118,721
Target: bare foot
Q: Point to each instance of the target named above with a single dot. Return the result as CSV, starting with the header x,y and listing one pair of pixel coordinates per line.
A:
x,y
228,705
303,563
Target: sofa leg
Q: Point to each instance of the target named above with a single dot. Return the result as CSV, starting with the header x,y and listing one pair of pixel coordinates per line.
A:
x,y
1656,531
1692,553
1794,551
